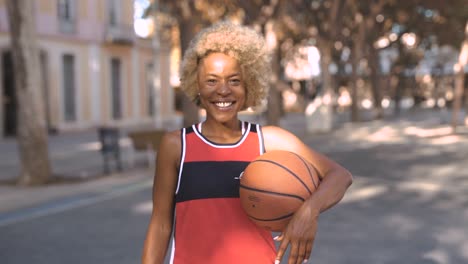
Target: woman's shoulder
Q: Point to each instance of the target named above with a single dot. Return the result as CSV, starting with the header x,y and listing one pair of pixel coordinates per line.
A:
x,y
279,138
171,140
173,133
275,131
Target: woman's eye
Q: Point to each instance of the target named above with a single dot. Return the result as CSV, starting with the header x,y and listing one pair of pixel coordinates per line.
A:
x,y
235,82
211,81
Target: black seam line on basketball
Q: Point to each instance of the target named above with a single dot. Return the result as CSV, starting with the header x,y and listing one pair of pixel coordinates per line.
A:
x,y
288,170
308,169
272,219
271,192
318,173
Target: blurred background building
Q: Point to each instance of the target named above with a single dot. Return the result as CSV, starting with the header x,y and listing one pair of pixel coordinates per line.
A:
x,y
95,70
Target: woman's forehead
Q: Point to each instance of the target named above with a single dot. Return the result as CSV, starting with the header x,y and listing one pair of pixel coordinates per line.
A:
x,y
219,62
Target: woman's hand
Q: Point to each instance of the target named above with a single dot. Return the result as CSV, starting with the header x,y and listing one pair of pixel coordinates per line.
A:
x,y
300,234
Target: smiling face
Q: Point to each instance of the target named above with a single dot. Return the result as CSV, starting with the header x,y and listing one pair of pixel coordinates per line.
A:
x,y
221,87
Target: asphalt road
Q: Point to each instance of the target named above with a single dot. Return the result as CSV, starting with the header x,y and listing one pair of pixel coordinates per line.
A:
x,y
100,228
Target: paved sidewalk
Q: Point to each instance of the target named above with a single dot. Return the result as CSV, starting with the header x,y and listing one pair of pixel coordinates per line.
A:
x,y
18,201
72,155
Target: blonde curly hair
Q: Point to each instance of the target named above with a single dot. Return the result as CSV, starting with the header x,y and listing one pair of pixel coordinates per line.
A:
x,y
240,42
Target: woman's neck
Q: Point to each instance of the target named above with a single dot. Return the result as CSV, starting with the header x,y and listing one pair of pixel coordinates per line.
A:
x,y
222,132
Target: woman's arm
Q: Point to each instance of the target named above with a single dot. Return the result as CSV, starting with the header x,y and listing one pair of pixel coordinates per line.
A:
x,y
301,230
164,187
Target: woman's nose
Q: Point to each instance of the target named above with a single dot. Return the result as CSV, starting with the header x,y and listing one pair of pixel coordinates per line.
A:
x,y
224,88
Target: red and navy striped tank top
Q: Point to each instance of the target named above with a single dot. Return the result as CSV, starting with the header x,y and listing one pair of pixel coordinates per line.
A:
x,y
210,225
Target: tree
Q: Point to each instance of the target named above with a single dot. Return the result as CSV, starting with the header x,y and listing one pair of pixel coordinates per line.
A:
x,y
431,22
434,23
449,26
31,131
361,19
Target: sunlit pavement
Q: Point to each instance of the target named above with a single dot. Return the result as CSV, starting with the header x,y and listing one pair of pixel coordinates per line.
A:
x,y
408,203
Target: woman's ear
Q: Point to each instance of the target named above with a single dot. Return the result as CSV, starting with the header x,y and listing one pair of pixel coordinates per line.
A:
x,y
197,100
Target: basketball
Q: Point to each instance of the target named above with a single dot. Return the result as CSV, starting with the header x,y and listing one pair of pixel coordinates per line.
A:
x,y
274,186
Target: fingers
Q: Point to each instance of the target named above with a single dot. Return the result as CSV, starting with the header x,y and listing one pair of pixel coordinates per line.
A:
x,y
294,254
298,253
282,249
301,253
278,237
308,250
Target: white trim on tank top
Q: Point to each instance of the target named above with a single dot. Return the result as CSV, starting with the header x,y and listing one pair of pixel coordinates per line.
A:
x,y
199,127
260,139
182,159
245,132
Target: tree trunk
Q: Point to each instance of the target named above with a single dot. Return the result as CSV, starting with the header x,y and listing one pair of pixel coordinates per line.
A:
x,y
328,84
465,84
374,76
275,105
375,8
354,88
31,132
358,45
398,72
460,79
189,109
398,93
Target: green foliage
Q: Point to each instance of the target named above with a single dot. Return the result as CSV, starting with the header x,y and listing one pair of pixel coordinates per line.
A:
x,y
339,23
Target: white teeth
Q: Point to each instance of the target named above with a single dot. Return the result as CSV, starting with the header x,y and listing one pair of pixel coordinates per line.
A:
x,y
223,104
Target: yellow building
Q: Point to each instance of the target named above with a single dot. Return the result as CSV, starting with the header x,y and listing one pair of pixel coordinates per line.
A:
x,y
94,69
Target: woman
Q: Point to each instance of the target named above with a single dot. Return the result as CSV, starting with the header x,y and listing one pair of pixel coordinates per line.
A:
x,y
196,186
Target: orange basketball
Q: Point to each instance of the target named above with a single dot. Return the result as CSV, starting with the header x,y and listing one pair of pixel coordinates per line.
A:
x,y
274,186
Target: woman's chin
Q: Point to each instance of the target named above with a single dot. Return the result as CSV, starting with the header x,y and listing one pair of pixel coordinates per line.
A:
x,y
224,117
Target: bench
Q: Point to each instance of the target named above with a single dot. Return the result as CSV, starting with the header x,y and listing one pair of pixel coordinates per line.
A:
x,y
148,141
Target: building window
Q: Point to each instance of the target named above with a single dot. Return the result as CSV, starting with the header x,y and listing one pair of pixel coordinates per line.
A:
x,y
65,10
66,15
69,91
116,88
114,12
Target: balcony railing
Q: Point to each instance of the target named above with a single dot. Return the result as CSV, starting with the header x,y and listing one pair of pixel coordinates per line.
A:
x,y
119,34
